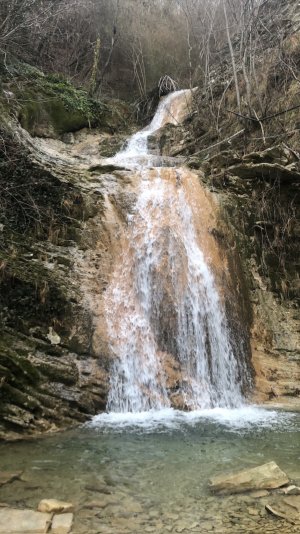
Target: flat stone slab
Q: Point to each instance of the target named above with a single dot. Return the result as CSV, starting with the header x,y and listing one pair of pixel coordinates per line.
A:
x,y
6,477
13,521
62,524
55,506
267,476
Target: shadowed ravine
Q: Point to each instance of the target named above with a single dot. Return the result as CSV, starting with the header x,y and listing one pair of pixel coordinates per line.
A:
x,y
163,302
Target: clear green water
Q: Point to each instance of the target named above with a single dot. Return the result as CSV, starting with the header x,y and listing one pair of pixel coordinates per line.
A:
x,y
150,474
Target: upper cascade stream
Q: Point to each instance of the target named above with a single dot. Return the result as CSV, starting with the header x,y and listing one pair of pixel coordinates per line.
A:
x,y
172,109
164,309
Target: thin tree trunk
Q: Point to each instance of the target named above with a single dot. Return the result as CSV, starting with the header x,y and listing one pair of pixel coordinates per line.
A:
x,y
237,89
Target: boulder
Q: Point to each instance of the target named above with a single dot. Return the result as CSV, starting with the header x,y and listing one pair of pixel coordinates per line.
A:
x,y
54,506
23,521
267,476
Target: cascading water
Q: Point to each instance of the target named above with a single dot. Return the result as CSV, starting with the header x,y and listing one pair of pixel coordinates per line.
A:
x,y
163,296
136,153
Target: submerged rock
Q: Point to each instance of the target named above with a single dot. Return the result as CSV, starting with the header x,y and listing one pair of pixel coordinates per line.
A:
x,y
6,477
108,500
266,476
293,501
287,508
258,494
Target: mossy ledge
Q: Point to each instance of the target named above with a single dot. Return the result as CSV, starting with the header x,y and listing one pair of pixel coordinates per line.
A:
x,y
50,106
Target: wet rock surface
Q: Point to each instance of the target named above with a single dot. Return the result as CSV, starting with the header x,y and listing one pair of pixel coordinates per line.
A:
x,y
257,191
52,374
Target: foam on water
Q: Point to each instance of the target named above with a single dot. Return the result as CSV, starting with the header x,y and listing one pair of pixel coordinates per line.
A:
x,y
239,419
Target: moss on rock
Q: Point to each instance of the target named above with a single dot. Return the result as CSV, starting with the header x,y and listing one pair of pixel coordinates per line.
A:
x,y
50,106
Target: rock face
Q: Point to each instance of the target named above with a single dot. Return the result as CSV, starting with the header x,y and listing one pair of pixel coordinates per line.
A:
x,y
267,476
269,253
255,180
55,257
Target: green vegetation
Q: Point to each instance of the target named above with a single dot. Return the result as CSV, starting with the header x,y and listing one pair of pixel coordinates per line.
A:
x,y
49,105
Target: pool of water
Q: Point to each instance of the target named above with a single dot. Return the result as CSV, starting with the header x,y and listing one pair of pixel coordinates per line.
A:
x,y
149,472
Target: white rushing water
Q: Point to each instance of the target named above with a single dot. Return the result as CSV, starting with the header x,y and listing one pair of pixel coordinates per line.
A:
x,y
235,419
163,297
136,153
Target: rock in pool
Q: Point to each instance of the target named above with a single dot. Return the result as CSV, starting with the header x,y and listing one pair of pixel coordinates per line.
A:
x,y
266,476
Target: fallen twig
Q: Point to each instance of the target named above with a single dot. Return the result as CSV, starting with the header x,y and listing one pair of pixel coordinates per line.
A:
x,y
227,140
262,119
296,154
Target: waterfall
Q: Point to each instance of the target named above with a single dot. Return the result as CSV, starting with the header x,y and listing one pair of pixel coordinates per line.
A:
x,y
163,297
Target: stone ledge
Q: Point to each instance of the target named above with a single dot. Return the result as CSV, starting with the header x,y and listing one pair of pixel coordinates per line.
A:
x,y
15,521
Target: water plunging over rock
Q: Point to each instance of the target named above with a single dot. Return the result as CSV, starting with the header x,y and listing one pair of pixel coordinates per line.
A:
x,y
163,304
171,110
